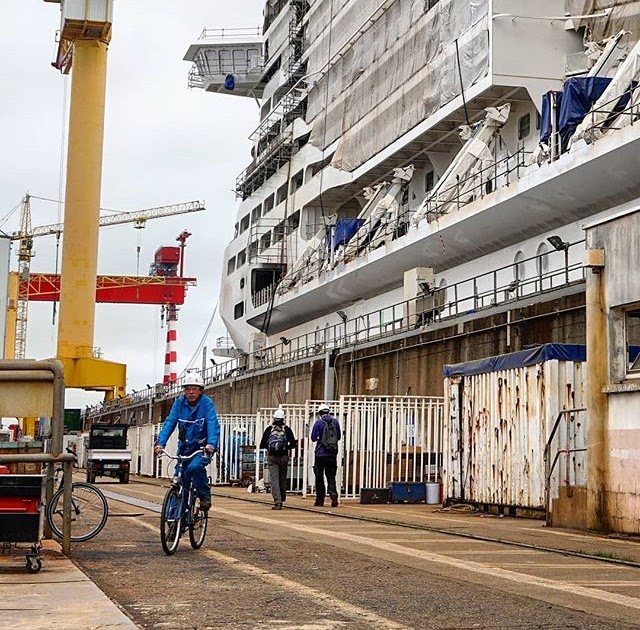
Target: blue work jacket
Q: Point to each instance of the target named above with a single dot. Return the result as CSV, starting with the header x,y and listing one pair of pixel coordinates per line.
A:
x,y
197,425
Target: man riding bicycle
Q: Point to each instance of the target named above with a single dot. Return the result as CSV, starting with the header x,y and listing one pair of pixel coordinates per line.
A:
x,y
195,415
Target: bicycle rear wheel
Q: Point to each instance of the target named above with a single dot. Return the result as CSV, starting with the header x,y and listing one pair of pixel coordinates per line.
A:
x,y
89,511
170,521
198,524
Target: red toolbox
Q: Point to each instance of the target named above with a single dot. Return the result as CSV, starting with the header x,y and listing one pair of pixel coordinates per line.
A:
x,y
21,508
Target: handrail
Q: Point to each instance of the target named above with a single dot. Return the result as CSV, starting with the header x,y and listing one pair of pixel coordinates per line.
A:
x,y
467,296
549,468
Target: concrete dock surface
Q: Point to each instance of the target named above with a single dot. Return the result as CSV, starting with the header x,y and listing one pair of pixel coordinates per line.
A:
x,y
62,596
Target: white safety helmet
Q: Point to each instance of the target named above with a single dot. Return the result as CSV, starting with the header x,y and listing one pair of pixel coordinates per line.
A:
x,y
323,409
278,414
193,379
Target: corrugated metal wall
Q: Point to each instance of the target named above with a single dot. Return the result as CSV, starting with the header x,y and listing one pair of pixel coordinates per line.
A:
x,y
496,429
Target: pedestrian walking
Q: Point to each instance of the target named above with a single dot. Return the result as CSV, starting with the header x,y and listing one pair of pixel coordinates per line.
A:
x,y
278,440
326,434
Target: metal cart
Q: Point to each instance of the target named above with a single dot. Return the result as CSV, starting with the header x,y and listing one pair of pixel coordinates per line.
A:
x,y
22,514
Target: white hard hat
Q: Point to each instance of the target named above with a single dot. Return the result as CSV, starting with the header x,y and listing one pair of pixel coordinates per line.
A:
x,y
324,408
194,379
278,414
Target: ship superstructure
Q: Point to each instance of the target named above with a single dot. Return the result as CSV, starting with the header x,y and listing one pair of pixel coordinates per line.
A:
x,y
406,147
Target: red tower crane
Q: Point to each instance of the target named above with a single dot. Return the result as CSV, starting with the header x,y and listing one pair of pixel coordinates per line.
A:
x,y
169,263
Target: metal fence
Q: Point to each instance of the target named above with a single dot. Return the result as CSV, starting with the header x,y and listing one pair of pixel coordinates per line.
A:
x,y
384,440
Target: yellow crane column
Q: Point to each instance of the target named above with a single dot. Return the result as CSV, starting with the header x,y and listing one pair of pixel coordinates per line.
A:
x,y
82,200
85,34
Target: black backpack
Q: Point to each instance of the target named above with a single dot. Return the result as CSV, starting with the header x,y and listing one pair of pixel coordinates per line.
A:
x,y
277,443
329,437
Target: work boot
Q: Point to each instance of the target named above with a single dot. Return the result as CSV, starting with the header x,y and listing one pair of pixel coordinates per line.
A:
x,y
319,504
334,500
205,505
277,506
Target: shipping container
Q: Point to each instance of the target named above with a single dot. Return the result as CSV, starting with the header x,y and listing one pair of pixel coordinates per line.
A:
x,y
499,415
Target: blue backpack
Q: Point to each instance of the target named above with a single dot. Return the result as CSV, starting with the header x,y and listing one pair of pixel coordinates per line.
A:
x,y
277,443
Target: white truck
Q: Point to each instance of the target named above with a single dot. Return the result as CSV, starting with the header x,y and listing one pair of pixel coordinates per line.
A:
x,y
107,453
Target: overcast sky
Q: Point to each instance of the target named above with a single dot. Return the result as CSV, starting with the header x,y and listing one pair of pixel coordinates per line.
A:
x,y
163,144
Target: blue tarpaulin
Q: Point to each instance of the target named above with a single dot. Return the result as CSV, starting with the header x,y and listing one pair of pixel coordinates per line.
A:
x,y
533,356
345,230
579,96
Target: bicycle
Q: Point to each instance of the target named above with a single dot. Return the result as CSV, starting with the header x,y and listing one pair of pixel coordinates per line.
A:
x,y
177,515
89,509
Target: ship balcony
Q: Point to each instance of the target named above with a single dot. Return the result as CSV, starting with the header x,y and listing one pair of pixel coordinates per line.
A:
x,y
520,203
228,61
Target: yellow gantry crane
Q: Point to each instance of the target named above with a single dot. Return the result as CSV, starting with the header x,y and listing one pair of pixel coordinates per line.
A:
x,y
17,316
85,33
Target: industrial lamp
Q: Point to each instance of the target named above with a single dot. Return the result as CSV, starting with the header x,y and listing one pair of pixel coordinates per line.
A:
x,y
342,315
285,341
558,244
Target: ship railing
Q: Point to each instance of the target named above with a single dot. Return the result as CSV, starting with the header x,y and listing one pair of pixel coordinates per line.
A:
x,y
621,111
544,273
234,34
478,184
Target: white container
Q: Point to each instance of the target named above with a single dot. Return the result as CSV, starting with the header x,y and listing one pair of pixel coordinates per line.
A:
x,y
499,413
87,10
433,493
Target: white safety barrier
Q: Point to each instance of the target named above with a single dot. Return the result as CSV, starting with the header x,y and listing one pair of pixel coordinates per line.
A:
x,y
384,440
389,439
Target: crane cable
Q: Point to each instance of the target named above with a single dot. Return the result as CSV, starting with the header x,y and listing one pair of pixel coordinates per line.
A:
x,y
202,341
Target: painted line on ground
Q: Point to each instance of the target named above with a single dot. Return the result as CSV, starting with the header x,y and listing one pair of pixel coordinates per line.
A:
x,y
328,602
465,565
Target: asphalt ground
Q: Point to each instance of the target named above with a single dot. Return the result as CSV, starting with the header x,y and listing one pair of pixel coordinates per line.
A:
x,y
356,566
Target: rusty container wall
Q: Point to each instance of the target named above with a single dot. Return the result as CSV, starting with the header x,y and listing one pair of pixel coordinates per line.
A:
x,y
497,424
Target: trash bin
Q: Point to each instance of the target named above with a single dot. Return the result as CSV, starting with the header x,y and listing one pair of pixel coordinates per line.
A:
x,y
433,492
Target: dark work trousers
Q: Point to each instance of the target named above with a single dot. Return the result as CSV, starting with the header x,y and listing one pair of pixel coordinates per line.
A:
x,y
278,465
325,466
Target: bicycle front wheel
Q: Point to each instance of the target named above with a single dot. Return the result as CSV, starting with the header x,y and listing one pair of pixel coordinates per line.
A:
x,y
198,525
89,512
170,521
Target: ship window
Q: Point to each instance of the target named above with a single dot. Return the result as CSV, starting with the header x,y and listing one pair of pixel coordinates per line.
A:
x,y
293,222
253,250
278,232
265,241
266,108
268,205
239,61
432,3
429,181
236,230
244,223
518,267
242,283
226,65
238,310
241,259
542,260
296,182
231,265
632,334
524,126
538,121
281,194
255,213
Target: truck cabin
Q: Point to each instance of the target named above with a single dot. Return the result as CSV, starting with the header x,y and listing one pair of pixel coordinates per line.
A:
x,y
108,436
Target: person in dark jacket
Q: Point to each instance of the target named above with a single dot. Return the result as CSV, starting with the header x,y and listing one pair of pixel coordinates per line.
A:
x,y
195,416
278,440
326,434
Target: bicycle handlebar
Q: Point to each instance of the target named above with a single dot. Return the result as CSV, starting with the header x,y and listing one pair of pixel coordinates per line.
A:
x,y
182,458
